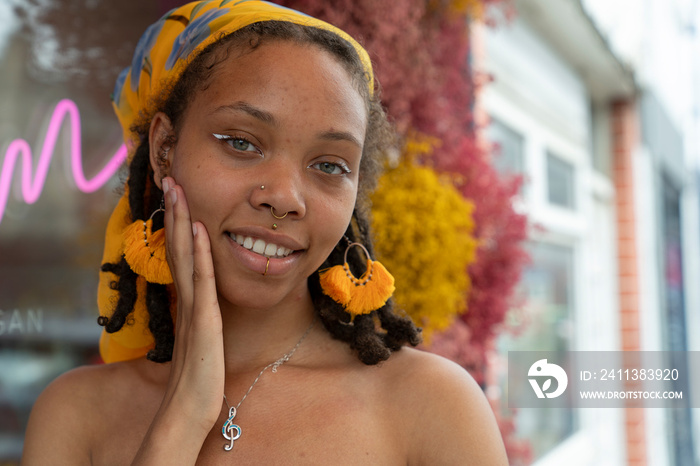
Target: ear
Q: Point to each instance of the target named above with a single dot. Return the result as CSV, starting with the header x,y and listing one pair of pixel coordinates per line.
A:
x,y
161,137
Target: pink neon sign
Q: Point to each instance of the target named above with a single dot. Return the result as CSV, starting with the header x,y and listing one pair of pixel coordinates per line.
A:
x,y
32,188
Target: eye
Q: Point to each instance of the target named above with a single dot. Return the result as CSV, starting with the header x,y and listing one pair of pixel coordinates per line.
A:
x,y
332,168
238,143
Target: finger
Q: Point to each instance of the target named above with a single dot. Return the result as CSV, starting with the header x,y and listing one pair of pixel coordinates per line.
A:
x,y
169,200
179,248
168,216
203,353
206,329
207,315
179,254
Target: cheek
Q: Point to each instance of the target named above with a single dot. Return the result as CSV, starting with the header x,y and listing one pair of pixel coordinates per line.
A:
x,y
337,214
205,186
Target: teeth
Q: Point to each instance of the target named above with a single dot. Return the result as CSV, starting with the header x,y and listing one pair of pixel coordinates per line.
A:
x,y
270,250
261,247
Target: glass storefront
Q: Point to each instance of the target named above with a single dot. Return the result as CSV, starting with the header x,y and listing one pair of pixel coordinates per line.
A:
x,y
546,320
59,60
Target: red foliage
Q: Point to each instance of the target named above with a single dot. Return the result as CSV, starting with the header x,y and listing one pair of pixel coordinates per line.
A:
x,y
501,231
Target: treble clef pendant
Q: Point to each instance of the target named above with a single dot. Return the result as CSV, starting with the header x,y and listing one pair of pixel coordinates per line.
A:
x,y
228,429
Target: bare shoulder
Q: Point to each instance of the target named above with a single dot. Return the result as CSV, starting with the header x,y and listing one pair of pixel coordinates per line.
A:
x,y
451,420
67,415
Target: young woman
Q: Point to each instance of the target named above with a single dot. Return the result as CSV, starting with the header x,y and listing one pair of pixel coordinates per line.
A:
x,y
260,130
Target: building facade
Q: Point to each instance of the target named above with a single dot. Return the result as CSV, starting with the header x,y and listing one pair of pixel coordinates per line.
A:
x,y
612,202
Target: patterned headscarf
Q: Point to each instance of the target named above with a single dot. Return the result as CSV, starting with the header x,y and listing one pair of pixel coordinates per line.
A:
x,y
164,51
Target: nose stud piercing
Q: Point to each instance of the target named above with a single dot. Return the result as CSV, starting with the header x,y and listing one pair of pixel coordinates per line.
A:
x,y
262,187
272,210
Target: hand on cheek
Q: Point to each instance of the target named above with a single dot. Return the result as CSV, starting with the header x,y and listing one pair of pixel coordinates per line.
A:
x,y
198,356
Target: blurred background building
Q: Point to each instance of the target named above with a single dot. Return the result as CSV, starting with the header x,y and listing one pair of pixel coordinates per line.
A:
x,y
595,103
50,251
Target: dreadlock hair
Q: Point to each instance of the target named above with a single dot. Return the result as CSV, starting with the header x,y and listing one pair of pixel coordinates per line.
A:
x,y
372,336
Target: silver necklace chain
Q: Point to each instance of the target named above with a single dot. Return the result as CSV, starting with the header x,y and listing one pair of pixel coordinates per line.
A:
x,y
231,431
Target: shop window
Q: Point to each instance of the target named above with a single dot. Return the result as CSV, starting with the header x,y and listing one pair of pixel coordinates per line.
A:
x,y
51,248
561,182
545,323
675,318
509,148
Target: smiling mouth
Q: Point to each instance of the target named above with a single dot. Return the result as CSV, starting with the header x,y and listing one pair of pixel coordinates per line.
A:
x,y
259,246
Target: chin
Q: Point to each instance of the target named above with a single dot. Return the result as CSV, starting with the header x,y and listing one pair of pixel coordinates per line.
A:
x,y
260,294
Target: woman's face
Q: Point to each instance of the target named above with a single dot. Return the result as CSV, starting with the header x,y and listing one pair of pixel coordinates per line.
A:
x,y
286,117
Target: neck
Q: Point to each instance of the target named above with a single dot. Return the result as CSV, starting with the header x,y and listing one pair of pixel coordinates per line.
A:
x,y
255,337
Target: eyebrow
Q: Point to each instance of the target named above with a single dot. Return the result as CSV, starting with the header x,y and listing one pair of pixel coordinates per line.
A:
x,y
268,118
259,114
340,136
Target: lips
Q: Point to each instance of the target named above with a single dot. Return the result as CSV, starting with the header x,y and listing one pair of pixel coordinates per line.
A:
x,y
260,246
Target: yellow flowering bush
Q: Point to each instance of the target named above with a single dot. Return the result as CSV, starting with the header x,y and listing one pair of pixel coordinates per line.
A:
x,y
423,233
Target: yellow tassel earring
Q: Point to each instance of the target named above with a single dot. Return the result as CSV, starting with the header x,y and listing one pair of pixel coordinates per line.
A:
x,y
358,295
144,251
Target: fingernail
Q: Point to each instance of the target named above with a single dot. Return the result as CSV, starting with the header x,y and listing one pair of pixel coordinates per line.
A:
x,y
194,229
173,196
166,185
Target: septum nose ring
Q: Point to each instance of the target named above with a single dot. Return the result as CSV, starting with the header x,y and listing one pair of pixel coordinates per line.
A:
x,y
272,210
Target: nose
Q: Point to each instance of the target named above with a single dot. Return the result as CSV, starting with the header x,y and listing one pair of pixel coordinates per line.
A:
x,y
280,192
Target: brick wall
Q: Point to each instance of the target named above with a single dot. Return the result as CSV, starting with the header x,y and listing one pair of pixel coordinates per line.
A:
x,y
624,140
